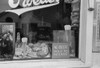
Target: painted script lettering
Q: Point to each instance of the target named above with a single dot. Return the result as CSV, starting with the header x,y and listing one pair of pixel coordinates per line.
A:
x,y
29,3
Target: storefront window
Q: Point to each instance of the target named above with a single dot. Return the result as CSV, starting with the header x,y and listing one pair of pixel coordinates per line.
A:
x,y
48,33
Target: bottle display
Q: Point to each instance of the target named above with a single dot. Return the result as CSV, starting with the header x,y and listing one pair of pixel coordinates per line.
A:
x,y
32,50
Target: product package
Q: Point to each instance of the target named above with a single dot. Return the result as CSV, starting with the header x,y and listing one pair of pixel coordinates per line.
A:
x,y
65,37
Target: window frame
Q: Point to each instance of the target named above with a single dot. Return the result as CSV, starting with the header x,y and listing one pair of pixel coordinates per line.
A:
x,y
85,47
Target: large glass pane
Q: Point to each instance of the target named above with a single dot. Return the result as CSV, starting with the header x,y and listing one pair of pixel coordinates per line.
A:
x,y
48,33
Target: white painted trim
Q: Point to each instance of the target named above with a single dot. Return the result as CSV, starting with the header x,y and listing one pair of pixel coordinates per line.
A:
x,y
86,33
82,29
89,36
54,63
23,10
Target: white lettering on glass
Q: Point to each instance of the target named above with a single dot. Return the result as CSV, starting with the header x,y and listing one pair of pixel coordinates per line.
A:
x,y
36,2
51,1
12,3
43,1
28,3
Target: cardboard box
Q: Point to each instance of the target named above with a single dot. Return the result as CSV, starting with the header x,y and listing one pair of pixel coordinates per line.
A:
x,y
61,36
65,36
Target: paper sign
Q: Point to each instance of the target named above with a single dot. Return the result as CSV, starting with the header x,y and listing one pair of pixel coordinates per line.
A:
x,y
60,51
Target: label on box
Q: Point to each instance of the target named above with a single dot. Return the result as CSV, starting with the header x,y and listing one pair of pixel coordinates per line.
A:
x,y
60,51
61,36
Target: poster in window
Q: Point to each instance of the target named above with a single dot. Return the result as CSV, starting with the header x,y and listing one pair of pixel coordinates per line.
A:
x,y
7,33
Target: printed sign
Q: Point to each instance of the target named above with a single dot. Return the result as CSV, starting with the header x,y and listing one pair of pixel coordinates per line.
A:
x,y
98,25
60,51
96,28
7,39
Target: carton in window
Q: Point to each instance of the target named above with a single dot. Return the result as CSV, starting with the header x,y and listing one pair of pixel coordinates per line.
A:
x,y
65,36
61,36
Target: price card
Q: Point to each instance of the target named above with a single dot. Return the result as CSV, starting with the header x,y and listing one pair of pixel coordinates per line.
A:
x,y
60,51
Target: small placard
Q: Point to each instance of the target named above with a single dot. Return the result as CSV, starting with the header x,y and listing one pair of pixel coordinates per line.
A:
x,y
60,51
